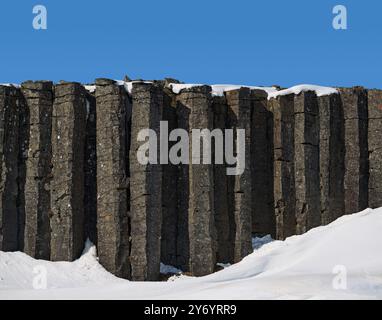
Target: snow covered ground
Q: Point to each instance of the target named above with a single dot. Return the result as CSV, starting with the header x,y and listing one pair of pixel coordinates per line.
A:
x,y
340,261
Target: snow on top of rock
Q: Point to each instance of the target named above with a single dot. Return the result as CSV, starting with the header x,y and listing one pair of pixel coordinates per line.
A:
x,y
320,91
129,85
91,88
166,269
10,85
217,89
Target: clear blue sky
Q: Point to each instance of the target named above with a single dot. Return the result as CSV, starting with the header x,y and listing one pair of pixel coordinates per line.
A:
x,y
254,42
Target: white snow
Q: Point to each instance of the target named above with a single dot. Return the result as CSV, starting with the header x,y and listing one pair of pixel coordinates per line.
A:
x,y
90,87
258,242
10,85
129,85
301,267
320,91
166,269
217,89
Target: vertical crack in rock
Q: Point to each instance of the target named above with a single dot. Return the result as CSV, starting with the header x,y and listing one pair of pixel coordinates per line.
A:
x,y
239,117
37,153
263,217
306,161
183,194
23,145
112,177
10,100
169,230
145,185
354,102
195,110
224,217
284,184
67,186
375,147
90,168
332,157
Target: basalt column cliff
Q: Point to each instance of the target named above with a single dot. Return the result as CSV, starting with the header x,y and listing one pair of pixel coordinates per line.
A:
x,y
70,169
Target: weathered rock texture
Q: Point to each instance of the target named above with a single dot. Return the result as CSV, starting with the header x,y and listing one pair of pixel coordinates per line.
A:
x,y
37,156
170,236
355,108
223,206
196,103
183,194
69,170
375,148
10,100
112,177
239,117
306,162
90,170
263,218
284,166
23,146
67,185
146,185
332,157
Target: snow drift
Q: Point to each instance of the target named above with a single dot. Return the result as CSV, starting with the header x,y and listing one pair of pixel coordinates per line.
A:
x,y
301,267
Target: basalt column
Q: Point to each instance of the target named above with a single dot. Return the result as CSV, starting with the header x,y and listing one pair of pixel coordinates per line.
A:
x,y
169,231
112,177
23,145
354,102
37,131
282,108
306,159
224,217
9,128
375,148
332,156
196,104
67,186
146,182
263,217
240,185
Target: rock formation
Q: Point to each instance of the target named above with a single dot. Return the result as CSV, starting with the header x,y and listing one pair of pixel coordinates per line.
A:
x,y
70,169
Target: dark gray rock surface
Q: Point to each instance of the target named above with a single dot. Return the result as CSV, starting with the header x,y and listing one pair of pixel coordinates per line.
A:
x,y
10,100
67,184
239,117
306,162
37,155
375,147
284,167
196,105
354,101
113,231
145,186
